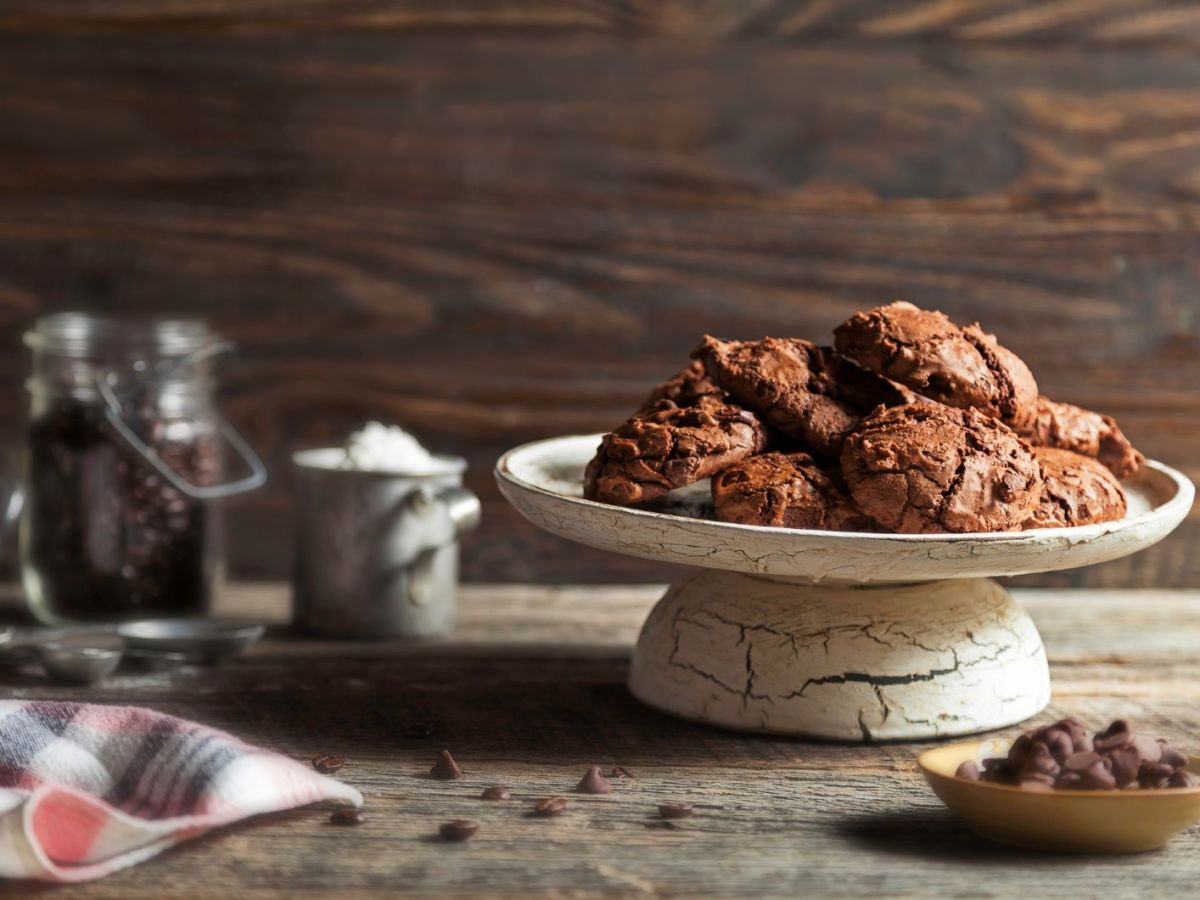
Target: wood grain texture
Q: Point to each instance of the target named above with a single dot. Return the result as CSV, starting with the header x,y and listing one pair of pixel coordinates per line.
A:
x,y
531,691
495,222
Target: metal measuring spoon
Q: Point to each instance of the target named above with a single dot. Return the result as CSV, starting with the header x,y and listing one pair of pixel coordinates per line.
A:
x,y
201,640
86,654
81,658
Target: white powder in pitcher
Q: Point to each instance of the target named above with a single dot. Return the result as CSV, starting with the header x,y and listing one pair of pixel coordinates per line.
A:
x,y
389,448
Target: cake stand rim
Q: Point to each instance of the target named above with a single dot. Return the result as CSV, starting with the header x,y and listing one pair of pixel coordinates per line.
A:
x,y
1166,515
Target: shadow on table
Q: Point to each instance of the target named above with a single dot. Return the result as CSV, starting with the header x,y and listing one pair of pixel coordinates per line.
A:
x,y
938,835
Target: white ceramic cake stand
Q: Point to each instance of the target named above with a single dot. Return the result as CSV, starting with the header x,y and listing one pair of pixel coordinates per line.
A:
x,y
849,636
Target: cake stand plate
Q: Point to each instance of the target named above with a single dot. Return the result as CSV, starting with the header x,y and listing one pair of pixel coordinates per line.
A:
x,y
840,635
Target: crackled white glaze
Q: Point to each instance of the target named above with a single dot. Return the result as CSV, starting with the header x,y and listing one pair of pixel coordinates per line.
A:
x,y
830,634
883,663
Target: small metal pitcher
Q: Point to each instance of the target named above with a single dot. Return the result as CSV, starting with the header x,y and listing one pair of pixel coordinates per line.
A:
x,y
377,552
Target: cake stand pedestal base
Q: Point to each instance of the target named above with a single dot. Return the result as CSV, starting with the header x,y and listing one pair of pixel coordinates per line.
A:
x,y
861,663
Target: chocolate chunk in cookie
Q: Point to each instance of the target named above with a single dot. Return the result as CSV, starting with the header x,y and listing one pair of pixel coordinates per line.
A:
x,y
1076,490
928,469
671,446
683,389
808,392
787,490
925,351
1083,431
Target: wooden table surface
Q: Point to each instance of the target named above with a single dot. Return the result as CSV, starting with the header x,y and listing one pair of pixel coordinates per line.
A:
x,y
531,691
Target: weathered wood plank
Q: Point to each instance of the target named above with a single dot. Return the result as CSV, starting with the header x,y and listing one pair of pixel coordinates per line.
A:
x,y
1101,22
501,237
530,692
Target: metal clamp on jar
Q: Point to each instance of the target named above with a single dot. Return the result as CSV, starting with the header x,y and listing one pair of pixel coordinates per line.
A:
x,y
124,456
377,552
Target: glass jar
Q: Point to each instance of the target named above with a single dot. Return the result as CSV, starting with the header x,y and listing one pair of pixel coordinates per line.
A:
x,y
124,456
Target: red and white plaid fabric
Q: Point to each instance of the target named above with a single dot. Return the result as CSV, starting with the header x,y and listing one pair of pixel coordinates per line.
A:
x,y
86,790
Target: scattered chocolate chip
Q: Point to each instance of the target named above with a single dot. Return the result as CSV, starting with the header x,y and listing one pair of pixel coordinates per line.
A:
x,y
446,768
347,817
674,811
496,792
594,782
418,730
329,763
550,806
458,830
619,772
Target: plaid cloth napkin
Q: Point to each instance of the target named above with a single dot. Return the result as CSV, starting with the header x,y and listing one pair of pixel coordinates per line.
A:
x,y
86,790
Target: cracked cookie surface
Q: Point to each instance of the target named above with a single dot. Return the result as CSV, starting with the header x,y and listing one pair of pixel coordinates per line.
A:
x,y
1084,432
1077,490
809,393
925,351
683,389
671,446
787,490
932,469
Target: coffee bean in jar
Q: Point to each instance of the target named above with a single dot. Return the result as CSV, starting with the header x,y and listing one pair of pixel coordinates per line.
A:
x,y
124,455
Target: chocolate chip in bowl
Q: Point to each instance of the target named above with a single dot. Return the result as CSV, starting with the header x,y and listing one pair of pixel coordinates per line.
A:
x,y
1062,788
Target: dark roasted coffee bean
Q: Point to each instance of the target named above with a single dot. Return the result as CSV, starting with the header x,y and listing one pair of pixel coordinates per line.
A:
x,y
496,792
418,730
674,810
446,768
594,782
1183,779
549,806
968,770
458,830
329,763
347,817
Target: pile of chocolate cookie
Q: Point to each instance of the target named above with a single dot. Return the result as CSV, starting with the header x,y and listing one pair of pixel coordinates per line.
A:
x,y
1062,755
908,424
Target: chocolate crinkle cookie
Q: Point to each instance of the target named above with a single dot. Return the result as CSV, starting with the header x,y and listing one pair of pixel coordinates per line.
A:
x,y
1063,755
1076,490
683,389
786,490
929,469
1085,432
805,391
671,446
925,351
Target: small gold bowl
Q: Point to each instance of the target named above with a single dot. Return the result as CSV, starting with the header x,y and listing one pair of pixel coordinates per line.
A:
x,y
1061,820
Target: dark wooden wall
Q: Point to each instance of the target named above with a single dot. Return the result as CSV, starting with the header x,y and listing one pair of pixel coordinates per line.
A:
x,y
497,221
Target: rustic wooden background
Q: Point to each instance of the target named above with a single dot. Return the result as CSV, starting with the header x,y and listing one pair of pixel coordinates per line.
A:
x,y
497,221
